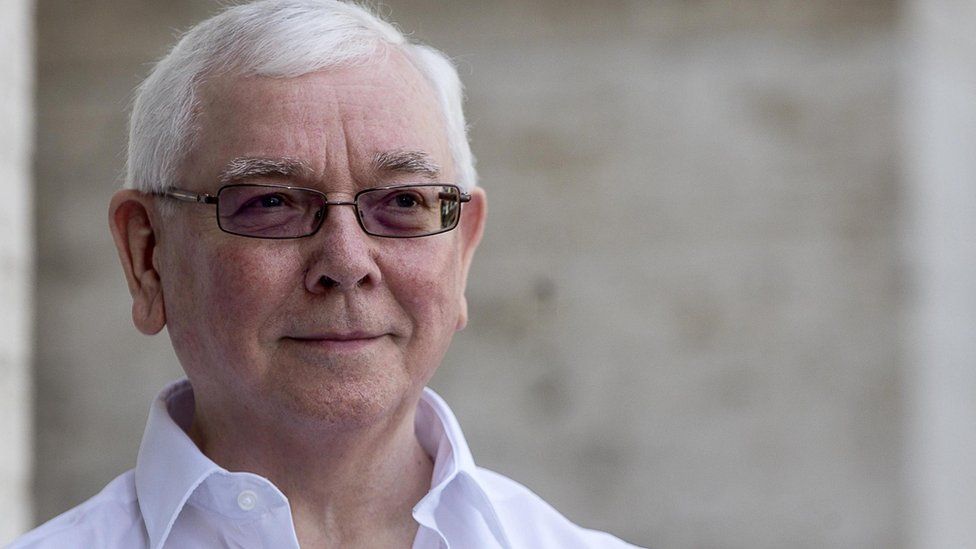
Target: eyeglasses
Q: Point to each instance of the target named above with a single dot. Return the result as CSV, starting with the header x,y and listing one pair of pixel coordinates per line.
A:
x,y
281,211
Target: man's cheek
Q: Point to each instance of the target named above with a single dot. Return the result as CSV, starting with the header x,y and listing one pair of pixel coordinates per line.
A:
x,y
247,282
431,289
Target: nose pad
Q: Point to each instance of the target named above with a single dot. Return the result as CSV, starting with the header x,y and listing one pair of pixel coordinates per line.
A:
x,y
317,219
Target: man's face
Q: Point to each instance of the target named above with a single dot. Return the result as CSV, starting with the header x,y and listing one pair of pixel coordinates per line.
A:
x,y
339,326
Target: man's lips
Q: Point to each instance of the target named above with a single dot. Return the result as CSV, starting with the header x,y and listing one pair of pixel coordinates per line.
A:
x,y
346,341
337,336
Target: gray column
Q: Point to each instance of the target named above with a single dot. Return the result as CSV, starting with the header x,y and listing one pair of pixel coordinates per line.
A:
x,y
941,140
16,263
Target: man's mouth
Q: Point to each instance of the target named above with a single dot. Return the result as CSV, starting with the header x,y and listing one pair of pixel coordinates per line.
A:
x,y
337,342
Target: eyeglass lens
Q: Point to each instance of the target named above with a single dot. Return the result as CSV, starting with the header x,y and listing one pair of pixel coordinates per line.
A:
x,y
268,211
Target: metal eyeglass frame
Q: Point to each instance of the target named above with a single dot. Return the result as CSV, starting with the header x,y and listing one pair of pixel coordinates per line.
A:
x,y
206,198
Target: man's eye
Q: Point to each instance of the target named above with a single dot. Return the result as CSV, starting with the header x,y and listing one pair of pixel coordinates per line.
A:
x,y
406,200
271,201
263,202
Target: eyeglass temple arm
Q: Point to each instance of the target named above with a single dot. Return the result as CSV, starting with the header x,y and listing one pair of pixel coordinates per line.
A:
x,y
185,196
464,197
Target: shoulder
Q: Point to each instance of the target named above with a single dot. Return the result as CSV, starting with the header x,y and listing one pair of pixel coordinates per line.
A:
x,y
109,519
531,522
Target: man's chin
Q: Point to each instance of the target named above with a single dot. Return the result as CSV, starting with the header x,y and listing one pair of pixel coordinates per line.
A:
x,y
342,403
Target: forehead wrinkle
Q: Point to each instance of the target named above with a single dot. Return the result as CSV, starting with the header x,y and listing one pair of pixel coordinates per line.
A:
x,y
406,161
247,167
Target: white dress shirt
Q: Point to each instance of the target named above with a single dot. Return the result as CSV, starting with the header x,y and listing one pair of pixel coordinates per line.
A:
x,y
177,497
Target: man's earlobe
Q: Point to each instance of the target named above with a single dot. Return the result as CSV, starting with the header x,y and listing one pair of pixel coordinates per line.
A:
x,y
462,320
135,239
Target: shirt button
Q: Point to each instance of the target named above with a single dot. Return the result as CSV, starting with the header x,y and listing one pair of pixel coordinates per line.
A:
x,y
246,500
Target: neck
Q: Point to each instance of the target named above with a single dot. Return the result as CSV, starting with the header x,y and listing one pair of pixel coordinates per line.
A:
x,y
347,485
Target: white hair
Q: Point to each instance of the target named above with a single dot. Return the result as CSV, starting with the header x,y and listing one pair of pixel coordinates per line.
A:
x,y
275,38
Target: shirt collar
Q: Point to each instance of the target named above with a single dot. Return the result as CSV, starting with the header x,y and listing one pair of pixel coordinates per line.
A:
x,y
170,467
457,507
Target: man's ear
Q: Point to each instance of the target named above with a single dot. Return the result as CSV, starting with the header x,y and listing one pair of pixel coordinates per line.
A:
x,y
135,238
472,226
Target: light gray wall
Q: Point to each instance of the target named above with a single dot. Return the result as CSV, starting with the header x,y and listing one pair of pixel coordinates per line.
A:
x,y
687,312
16,263
940,135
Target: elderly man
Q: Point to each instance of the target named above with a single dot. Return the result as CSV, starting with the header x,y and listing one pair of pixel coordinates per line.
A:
x,y
301,213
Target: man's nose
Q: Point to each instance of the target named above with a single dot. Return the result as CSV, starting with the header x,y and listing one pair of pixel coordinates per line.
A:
x,y
342,254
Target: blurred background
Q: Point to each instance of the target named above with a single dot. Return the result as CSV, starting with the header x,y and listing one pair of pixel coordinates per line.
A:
x,y
726,297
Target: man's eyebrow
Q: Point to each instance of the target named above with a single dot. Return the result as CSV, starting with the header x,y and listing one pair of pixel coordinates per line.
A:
x,y
246,167
404,161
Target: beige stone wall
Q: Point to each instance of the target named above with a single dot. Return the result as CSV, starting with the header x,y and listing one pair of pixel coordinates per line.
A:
x,y
16,263
688,310
94,374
